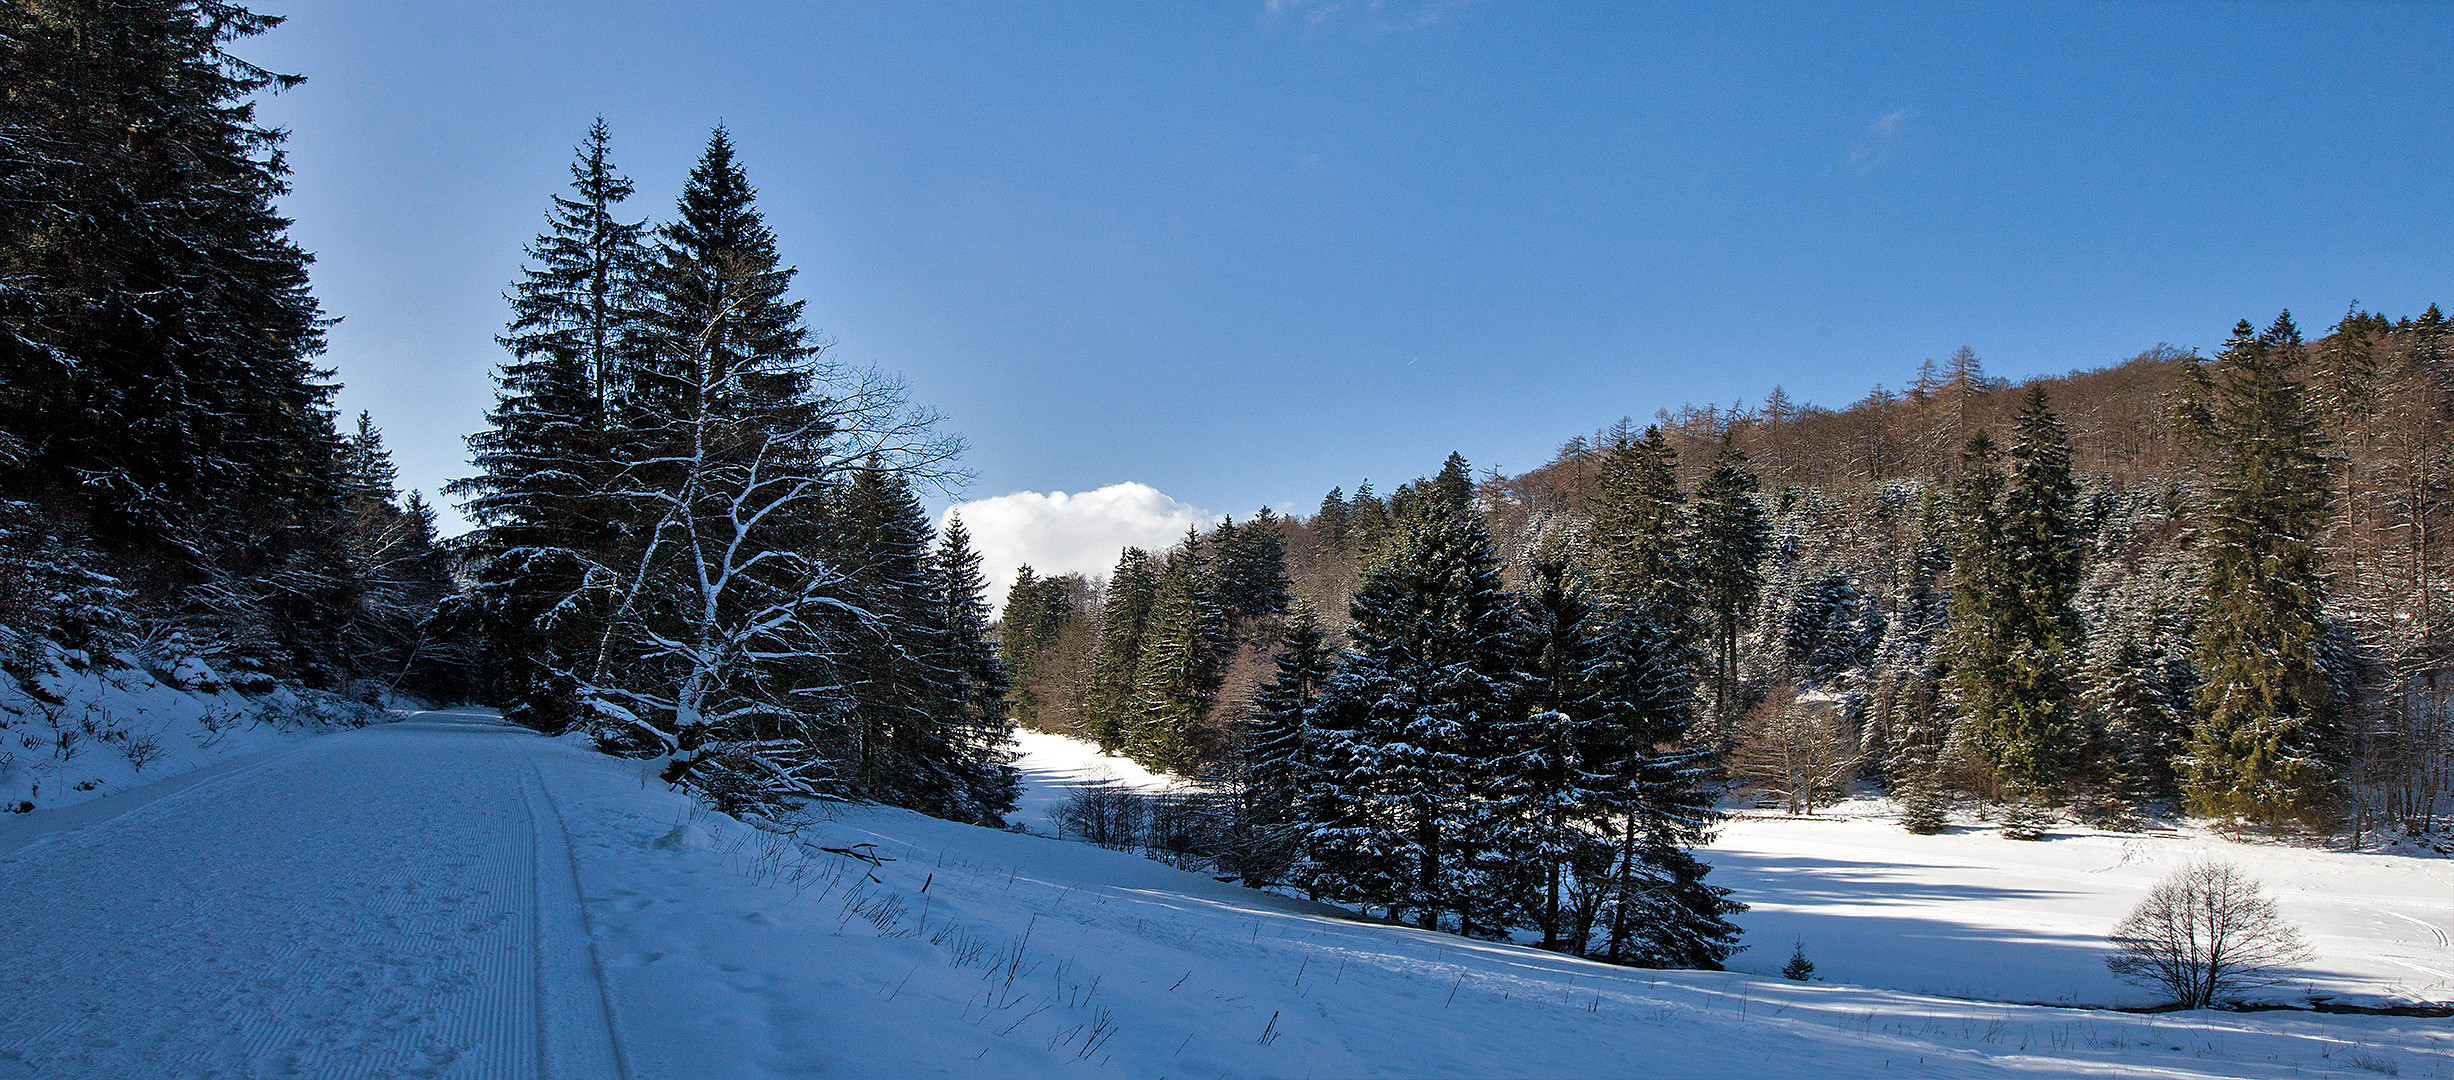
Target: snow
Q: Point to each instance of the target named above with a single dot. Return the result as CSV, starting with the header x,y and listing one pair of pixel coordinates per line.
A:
x,y
1969,914
449,896
376,903
96,725
1053,766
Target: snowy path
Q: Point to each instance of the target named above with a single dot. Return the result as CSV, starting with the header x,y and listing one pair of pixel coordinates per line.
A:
x,y
407,900
397,901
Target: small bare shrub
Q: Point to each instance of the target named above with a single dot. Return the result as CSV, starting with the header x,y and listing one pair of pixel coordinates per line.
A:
x,y
2203,932
1105,813
142,750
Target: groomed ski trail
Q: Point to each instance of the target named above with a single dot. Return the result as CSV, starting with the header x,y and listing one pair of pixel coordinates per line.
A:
x,y
393,902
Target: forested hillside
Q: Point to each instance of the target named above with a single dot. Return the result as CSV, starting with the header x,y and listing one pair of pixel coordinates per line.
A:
x,y
2182,584
2179,584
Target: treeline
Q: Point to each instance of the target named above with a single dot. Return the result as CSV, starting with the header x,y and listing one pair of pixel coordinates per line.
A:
x,y
2204,582
2209,584
173,481
699,536
1455,751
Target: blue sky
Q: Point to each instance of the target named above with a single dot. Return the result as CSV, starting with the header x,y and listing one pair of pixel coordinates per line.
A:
x,y
1242,252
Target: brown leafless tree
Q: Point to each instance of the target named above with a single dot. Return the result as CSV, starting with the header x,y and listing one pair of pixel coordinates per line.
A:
x,y
2206,931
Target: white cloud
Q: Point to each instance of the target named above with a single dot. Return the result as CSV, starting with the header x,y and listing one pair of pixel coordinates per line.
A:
x,y
1875,146
1057,533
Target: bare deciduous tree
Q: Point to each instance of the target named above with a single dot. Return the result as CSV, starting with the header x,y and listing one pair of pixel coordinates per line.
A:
x,y
1798,750
2205,931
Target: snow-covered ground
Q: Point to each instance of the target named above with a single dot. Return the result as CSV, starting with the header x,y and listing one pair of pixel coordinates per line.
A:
x,y
1053,766
1968,913
89,726
397,902
391,901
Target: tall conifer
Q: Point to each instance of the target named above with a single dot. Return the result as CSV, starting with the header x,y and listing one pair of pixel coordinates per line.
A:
x,y
1416,715
543,495
1730,538
2263,746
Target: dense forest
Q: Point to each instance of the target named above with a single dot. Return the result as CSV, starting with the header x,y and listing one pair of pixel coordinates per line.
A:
x,y
2178,584
173,479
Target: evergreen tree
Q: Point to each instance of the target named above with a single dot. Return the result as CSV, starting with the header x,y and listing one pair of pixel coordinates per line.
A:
x,y
546,460
976,717
1799,968
1637,549
1413,718
1662,791
1921,806
727,612
721,367
1252,572
1021,630
1329,524
156,325
1282,771
1183,657
2263,748
1553,793
1977,644
894,695
2035,730
1730,538
1124,619
1368,522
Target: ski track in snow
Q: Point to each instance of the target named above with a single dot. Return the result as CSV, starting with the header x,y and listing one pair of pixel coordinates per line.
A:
x,y
2435,931
364,905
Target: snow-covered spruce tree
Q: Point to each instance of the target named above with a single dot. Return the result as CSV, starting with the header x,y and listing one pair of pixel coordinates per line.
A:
x,y
1411,720
542,495
1658,790
1729,538
159,337
1921,805
976,720
1799,968
1184,647
2141,601
2034,731
724,647
1282,768
2264,746
1635,543
1124,618
1556,802
904,697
